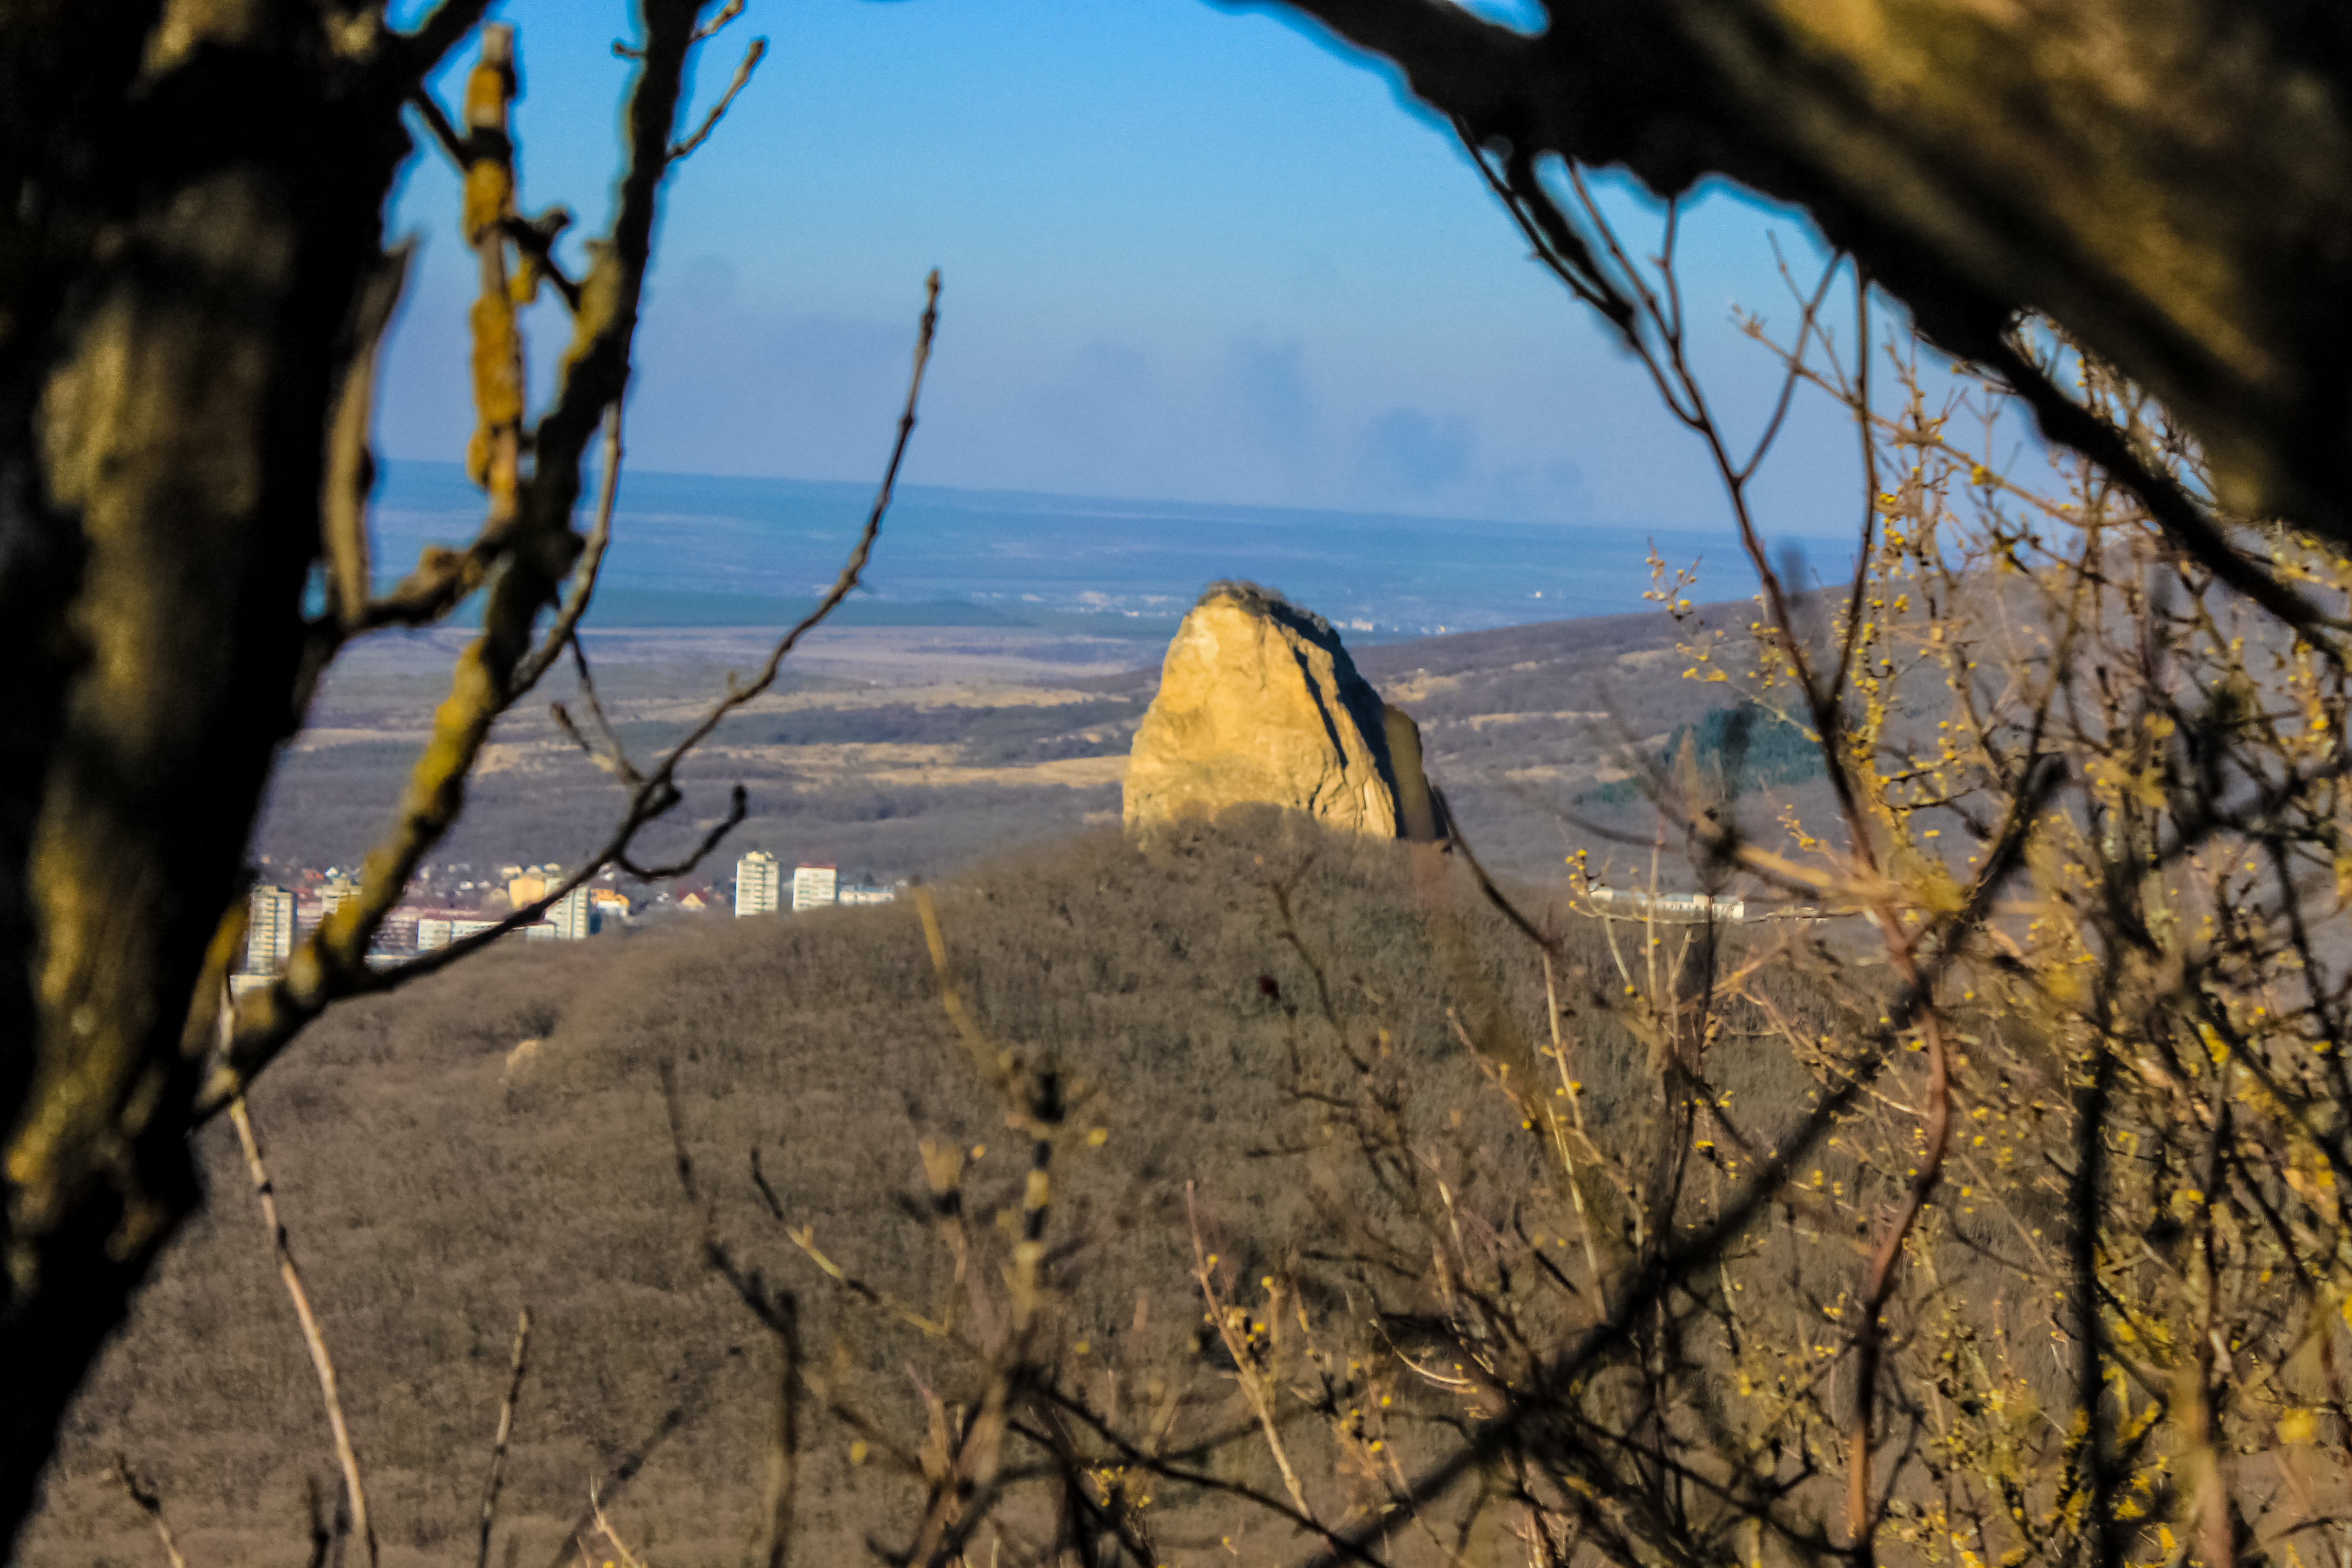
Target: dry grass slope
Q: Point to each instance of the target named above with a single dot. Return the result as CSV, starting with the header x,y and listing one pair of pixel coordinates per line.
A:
x,y
439,1170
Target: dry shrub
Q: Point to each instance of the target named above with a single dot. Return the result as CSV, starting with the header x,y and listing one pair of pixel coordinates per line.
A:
x,y
1986,1208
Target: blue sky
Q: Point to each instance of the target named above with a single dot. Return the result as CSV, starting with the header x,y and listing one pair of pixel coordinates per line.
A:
x,y
1191,252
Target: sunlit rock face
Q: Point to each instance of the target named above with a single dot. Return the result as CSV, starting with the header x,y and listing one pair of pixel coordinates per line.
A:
x,y
1259,704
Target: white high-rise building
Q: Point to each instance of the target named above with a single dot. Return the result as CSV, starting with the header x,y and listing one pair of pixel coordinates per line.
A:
x,y
269,929
812,887
569,915
755,884
436,931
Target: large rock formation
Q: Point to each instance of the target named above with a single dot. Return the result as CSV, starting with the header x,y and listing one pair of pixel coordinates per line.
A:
x,y
1259,704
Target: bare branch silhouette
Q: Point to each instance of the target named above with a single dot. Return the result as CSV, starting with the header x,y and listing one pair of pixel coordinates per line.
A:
x,y
347,1457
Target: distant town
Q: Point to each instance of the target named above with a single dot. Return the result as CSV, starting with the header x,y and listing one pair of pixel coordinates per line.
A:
x,y
448,903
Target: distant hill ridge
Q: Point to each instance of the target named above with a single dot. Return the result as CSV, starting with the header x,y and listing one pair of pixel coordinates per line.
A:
x,y
1557,647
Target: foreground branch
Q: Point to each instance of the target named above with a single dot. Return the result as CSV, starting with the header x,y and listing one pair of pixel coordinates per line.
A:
x,y
144,1495
346,1456
491,1483
528,528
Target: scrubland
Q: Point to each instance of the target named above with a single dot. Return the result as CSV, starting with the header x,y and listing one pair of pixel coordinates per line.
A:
x,y
497,1136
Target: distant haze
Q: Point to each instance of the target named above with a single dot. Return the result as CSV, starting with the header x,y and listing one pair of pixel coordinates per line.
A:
x,y
1192,251
700,551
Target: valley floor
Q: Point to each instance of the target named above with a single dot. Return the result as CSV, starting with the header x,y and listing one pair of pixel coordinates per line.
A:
x,y
898,752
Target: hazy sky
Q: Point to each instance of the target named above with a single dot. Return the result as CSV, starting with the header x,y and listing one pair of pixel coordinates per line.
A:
x,y
1190,252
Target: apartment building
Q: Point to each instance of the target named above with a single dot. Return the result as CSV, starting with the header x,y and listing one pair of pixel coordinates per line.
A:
x,y
814,888
756,886
269,929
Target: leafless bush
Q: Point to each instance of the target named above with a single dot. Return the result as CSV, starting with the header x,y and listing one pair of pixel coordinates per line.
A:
x,y
1989,1209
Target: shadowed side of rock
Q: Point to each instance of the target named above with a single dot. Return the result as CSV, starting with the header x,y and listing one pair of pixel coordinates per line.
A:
x,y
1260,704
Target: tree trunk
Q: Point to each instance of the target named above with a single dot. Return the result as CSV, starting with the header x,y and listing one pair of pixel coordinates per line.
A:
x,y
191,198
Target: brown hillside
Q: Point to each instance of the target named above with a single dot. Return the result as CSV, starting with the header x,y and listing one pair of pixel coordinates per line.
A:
x,y
439,1170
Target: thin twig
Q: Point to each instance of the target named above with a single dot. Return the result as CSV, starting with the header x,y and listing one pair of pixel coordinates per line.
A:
x,y
346,1455
2212,1505
604,1527
1257,1382
437,120
151,1504
1853,603
726,13
985,1058
583,573
2067,422
505,1433
351,466
1568,1088
753,56
1878,1284
604,748
710,29
926,329
634,1461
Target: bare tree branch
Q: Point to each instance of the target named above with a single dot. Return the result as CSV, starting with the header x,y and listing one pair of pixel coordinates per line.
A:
x,y
490,1483
584,574
2070,424
143,1493
346,1456
604,1528
528,526
1901,137
445,135
1257,1383
726,13
350,465
330,964
753,56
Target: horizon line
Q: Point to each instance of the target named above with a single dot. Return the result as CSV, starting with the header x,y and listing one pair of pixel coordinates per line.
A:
x,y
865,487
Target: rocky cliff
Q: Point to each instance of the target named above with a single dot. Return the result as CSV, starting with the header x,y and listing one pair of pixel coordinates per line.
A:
x,y
1260,704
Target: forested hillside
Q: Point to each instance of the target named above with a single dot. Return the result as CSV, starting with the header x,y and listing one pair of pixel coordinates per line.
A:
x,y
497,1136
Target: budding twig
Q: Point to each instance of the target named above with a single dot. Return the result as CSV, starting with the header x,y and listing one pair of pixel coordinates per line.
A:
x,y
1232,1324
